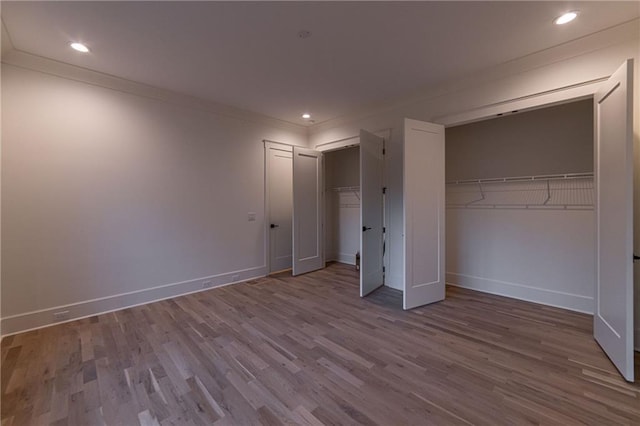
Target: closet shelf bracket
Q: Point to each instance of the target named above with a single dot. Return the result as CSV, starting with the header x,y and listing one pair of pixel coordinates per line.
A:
x,y
354,189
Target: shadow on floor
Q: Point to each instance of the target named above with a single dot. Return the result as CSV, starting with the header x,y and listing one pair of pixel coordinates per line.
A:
x,y
386,296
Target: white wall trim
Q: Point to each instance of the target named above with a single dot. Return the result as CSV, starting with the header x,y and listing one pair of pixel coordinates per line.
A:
x,y
279,145
338,144
395,281
7,43
544,99
572,302
348,258
32,62
349,141
44,317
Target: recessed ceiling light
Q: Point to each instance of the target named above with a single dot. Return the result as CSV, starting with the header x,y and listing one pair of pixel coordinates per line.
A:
x,y
306,116
567,17
79,47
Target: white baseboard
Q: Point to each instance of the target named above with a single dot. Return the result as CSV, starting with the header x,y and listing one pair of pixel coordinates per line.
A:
x,y
44,317
394,281
573,302
349,259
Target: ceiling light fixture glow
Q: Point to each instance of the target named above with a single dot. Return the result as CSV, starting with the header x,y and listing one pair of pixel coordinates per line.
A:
x,y
79,47
566,18
306,116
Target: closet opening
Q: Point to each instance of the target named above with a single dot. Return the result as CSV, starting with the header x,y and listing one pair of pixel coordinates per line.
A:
x,y
324,206
342,206
354,207
520,196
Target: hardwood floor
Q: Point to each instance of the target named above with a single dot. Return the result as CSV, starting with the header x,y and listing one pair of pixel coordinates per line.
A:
x,y
308,350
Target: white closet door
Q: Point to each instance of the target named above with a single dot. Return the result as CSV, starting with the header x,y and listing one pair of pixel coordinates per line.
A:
x,y
424,277
613,319
307,211
371,275
280,201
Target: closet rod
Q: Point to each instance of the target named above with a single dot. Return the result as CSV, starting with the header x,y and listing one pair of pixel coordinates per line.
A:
x,y
523,178
346,188
521,206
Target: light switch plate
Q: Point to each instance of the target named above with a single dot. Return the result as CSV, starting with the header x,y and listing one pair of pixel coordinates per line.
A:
x,y
252,217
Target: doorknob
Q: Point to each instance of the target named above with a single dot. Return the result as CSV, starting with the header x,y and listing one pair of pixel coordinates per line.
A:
x,y
273,225
364,228
635,257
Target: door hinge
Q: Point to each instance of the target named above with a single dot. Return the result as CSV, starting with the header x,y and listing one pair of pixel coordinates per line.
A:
x,y
384,151
384,269
384,189
384,229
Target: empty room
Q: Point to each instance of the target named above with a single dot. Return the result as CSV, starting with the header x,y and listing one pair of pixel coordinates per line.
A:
x,y
320,213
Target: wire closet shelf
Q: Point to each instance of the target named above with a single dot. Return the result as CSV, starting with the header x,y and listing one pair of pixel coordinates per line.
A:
x,y
348,190
574,191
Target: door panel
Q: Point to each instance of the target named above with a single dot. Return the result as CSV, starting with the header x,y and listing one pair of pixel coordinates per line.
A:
x,y
307,211
613,319
280,193
424,212
371,219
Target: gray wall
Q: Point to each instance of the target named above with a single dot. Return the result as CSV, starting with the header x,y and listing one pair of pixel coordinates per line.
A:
x,y
342,167
554,140
112,199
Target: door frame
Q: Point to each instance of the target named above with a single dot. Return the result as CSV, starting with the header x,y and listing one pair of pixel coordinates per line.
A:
x,y
267,219
562,95
350,142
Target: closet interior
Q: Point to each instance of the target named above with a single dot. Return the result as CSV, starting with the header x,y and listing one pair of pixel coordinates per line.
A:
x,y
342,204
520,205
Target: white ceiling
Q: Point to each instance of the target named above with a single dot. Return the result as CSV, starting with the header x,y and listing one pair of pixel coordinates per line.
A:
x,y
249,55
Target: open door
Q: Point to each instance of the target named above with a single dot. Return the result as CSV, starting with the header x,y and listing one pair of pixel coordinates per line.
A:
x,y
307,211
613,319
424,186
371,220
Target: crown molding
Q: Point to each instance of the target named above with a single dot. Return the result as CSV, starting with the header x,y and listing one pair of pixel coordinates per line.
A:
x,y
603,39
20,59
589,43
7,44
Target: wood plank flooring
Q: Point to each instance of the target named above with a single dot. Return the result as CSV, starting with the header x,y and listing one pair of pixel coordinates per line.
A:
x,y
308,350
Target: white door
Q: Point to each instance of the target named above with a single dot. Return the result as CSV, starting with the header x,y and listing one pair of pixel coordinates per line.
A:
x,y
613,319
424,280
307,211
371,238
280,206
